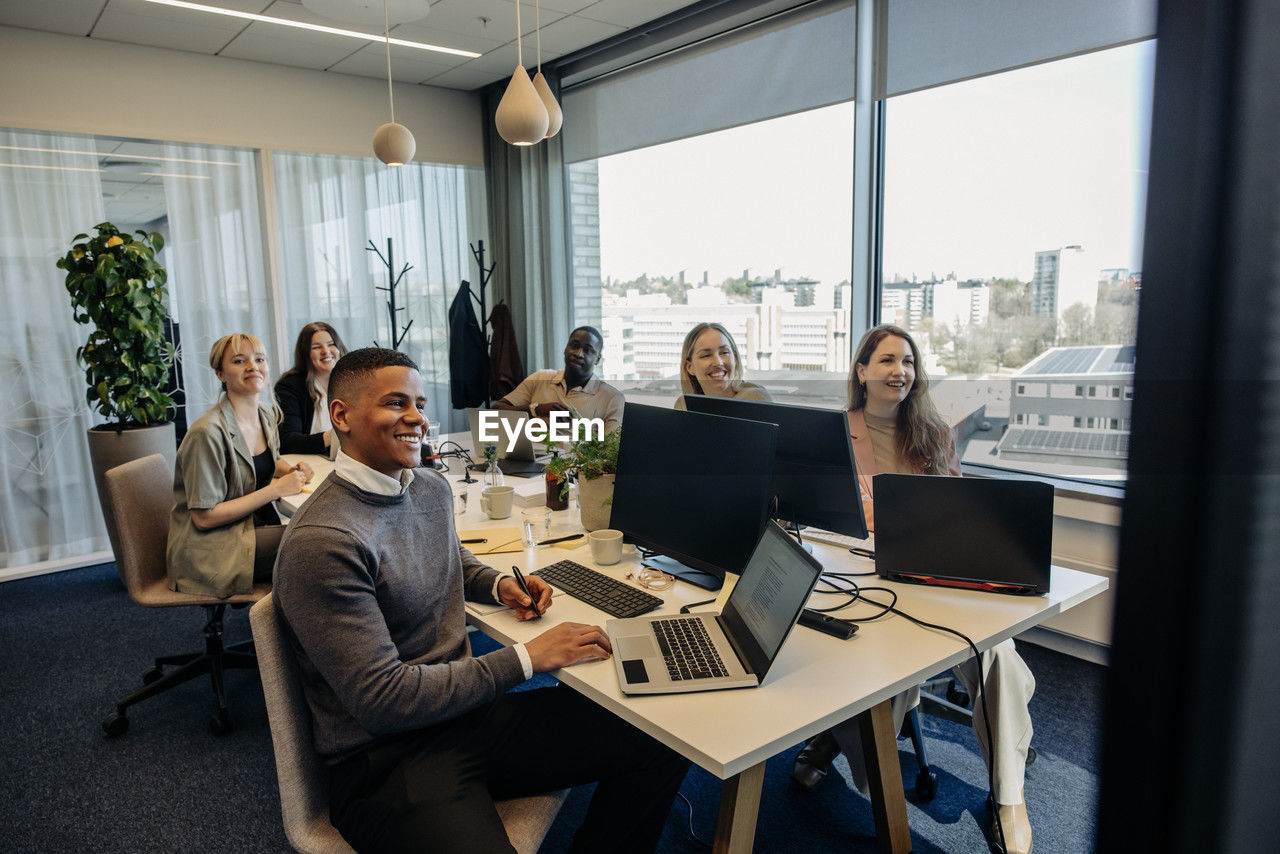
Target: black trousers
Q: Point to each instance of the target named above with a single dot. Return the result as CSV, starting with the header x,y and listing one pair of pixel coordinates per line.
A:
x,y
433,789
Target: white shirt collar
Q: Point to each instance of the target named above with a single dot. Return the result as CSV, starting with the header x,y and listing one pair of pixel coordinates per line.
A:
x,y
360,475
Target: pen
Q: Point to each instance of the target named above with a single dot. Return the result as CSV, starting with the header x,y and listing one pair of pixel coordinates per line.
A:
x,y
533,602
554,540
476,540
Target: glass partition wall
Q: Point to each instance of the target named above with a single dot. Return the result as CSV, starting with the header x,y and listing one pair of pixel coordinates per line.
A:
x,y
207,202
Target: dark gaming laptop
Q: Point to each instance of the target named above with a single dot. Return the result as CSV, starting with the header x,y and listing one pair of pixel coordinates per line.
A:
x,y
672,653
981,534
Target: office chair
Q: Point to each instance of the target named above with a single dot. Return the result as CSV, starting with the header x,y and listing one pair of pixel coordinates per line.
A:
x,y
140,493
304,785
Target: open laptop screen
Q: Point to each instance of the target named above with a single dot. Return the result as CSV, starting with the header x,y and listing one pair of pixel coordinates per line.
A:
x,y
768,598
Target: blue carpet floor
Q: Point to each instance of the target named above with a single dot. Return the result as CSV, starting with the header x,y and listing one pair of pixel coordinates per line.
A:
x,y
72,643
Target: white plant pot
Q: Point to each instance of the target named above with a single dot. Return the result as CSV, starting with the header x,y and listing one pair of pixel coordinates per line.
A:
x,y
595,501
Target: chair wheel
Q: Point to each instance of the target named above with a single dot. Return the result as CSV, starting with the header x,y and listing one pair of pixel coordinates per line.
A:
x,y
220,724
115,725
957,695
152,675
1031,755
926,786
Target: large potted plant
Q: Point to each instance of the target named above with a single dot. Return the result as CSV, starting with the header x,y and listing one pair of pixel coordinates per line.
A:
x,y
594,464
117,287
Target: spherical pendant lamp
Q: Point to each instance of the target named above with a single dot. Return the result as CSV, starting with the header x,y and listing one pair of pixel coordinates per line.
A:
x,y
393,143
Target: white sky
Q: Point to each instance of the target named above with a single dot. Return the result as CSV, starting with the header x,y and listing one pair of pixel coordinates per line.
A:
x,y
978,177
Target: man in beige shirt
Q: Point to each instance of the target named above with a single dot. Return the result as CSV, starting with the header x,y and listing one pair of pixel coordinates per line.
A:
x,y
574,389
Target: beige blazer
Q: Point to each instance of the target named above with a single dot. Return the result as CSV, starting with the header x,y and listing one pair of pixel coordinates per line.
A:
x,y
214,465
865,457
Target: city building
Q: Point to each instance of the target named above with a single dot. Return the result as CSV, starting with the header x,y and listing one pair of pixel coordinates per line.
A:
x,y
1070,406
1063,277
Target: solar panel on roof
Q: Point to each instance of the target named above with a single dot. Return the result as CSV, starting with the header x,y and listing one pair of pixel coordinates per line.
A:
x,y
1077,442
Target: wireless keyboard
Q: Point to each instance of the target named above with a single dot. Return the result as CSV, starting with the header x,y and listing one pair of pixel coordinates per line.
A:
x,y
599,590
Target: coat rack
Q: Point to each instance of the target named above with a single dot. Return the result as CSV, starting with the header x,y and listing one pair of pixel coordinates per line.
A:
x,y
394,281
486,273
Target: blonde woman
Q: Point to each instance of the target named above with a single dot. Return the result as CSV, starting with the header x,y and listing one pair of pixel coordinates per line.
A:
x,y
710,365
303,391
895,428
224,531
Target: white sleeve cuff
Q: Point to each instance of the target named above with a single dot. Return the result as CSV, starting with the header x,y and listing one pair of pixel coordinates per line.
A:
x,y
496,582
525,661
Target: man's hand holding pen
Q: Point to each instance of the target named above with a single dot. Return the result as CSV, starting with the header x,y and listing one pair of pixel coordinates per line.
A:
x,y
530,605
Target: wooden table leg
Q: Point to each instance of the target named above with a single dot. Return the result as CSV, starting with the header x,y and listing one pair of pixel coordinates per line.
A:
x,y
739,807
884,775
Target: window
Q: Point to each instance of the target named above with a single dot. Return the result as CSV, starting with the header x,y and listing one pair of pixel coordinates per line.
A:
x,y
1005,299
724,227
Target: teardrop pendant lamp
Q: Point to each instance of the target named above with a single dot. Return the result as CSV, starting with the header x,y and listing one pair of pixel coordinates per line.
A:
x,y
555,115
393,143
521,118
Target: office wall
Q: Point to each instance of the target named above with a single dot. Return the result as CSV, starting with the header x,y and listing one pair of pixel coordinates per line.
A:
x,y
82,85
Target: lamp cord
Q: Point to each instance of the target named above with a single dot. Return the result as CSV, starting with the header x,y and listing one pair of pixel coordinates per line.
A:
x,y
386,37
519,44
537,28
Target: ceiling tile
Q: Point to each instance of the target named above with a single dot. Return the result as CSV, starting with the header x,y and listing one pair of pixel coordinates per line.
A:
x,y
74,17
407,65
561,5
631,13
479,40
179,29
464,77
270,43
463,17
571,33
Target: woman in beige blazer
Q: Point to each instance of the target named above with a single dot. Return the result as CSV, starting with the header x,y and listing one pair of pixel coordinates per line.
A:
x,y
224,531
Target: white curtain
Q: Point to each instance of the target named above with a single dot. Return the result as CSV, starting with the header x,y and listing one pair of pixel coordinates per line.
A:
x,y
49,192
330,208
213,252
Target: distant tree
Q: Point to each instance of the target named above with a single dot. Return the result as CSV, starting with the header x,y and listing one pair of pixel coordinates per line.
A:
x,y
1077,325
1010,298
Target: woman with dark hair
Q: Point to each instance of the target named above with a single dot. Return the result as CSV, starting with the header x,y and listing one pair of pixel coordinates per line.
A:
x,y
710,365
302,391
224,531
894,427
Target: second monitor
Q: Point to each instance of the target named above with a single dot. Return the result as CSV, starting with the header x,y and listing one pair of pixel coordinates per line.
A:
x,y
815,479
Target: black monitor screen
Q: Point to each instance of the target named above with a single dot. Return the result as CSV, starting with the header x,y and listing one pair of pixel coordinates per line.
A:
x,y
693,487
814,476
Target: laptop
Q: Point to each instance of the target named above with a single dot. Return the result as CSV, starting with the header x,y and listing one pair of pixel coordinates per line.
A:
x,y
981,534
522,460
675,653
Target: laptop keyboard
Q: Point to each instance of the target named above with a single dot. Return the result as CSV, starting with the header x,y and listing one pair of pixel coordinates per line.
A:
x,y
687,650
599,590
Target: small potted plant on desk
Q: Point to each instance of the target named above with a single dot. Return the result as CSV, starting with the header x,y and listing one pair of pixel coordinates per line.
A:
x,y
117,287
593,463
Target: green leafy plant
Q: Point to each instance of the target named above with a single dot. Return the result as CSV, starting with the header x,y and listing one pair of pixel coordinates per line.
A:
x,y
117,286
587,459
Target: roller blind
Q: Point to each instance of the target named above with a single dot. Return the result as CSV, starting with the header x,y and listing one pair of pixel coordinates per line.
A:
x,y
930,42
797,61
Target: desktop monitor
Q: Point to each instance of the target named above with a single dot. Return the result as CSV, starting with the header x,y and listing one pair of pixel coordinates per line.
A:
x,y
815,479
694,488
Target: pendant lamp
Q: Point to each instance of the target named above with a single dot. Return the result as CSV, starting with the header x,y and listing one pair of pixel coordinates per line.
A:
x,y
554,114
393,144
522,117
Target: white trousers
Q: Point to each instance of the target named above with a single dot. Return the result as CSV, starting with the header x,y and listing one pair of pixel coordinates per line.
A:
x,y
1009,686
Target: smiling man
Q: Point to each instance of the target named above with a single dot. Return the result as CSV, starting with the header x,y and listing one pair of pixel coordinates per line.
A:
x,y
576,388
420,736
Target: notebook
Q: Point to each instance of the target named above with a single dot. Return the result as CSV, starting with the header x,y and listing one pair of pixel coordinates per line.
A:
x,y
674,653
977,533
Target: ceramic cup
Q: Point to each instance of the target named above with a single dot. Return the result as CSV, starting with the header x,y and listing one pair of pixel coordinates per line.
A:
x,y
535,525
496,501
606,546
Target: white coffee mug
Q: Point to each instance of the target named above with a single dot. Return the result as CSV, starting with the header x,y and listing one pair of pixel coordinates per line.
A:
x,y
496,501
606,546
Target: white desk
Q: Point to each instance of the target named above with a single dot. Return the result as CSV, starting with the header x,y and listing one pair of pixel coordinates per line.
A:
x,y
816,682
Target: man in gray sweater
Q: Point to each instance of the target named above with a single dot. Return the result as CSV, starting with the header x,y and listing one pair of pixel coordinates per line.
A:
x,y
419,735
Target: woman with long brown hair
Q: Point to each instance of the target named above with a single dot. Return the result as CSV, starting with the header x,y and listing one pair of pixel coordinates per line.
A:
x,y
895,427
302,391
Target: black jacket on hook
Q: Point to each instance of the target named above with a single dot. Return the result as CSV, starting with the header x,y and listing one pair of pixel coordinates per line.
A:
x,y
468,356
